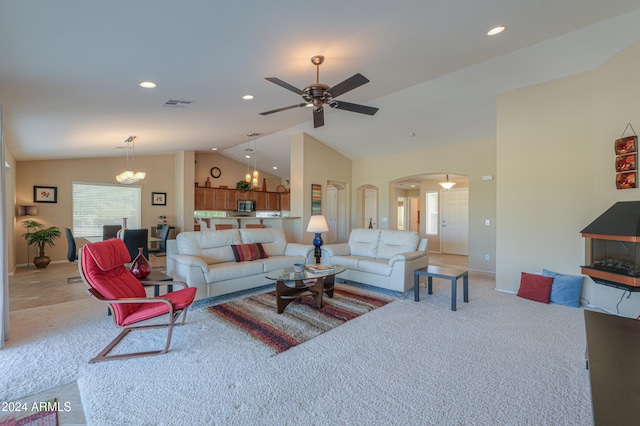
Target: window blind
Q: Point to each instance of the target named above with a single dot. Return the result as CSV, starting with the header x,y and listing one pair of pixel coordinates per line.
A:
x,y
95,205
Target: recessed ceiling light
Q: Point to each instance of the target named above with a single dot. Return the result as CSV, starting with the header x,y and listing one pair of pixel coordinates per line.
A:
x,y
214,149
247,97
496,30
275,168
148,84
247,156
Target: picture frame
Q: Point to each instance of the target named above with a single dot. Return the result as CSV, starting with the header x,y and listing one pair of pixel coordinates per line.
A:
x,y
316,199
45,194
626,180
158,198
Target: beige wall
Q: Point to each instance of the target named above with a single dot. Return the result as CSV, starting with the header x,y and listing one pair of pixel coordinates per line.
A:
x,y
312,162
61,173
556,171
472,159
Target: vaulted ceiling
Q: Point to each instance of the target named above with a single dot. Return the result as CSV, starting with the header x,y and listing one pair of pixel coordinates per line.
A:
x,y
70,70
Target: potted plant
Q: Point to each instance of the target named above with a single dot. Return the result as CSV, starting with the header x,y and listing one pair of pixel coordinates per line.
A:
x,y
40,236
243,185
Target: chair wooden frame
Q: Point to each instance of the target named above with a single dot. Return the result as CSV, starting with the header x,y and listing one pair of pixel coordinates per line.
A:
x,y
172,315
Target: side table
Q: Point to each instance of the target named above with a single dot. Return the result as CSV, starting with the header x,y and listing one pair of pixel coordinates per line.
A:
x,y
156,276
452,274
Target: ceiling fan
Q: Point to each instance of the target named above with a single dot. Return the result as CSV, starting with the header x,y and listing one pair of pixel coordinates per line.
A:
x,y
318,94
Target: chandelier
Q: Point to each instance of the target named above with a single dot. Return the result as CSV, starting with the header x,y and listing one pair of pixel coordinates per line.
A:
x,y
130,176
446,184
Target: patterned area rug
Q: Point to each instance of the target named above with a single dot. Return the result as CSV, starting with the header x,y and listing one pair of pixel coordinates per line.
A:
x,y
301,321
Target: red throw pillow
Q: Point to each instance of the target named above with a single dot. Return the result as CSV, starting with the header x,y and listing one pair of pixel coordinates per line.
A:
x,y
535,287
244,252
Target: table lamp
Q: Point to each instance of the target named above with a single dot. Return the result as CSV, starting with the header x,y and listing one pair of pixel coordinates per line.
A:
x,y
317,224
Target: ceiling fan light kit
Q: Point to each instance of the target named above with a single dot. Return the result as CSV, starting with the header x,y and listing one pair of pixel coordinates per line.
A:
x,y
318,94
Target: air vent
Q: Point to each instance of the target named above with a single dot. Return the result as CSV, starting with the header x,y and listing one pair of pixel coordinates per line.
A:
x,y
176,103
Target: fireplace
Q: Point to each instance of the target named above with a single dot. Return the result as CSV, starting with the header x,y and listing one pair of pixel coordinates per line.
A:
x,y
612,252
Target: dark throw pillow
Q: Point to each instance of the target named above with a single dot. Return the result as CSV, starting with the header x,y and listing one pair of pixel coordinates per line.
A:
x,y
244,252
535,287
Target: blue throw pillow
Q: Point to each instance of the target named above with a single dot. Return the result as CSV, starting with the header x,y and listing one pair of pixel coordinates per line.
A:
x,y
566,289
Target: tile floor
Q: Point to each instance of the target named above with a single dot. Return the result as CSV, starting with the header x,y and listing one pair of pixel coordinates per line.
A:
x,y
59,282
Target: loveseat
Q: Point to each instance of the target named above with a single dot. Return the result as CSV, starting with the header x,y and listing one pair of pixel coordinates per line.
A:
x,y
207,260
381,258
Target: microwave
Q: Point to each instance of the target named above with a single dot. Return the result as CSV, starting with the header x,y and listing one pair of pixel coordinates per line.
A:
x,y
246,206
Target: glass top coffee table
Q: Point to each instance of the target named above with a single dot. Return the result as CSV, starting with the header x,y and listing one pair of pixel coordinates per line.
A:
x,y
291,285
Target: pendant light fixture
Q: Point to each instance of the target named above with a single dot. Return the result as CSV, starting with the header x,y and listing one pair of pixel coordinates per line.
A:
x,y
130,176
247,177
256,175
446,184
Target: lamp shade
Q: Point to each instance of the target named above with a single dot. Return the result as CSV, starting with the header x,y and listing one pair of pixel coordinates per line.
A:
x,y
317,224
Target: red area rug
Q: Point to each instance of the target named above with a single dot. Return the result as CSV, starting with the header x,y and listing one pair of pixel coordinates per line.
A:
x,y
301,321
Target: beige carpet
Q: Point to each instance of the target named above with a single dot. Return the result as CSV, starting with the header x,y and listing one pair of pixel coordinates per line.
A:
x,y
498,360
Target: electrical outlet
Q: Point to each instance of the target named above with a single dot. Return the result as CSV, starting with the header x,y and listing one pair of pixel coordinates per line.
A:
x,y
487,257
487,222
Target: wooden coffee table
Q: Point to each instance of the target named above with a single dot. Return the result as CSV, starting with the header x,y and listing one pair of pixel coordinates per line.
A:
x,y
291,285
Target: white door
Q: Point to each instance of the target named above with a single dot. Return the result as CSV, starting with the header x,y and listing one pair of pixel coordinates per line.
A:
x,y
370,208
455,221
332,215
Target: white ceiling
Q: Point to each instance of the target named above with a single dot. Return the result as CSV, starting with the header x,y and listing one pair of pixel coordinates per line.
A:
x,y
69,70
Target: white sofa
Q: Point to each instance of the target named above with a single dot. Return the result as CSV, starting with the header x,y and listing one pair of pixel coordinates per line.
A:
x,y
381,258
205,259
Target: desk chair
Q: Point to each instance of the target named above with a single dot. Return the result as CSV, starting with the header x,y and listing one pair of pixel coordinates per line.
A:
x,y
72,252
220,226
134,239
110,231
162,245
254,225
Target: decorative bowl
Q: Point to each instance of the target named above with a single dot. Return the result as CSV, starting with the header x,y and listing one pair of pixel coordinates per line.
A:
x,y
298,267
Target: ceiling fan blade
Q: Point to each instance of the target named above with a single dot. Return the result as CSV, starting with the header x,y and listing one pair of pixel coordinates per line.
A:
x,y
284,84
351,83
318,117
348,106
283,109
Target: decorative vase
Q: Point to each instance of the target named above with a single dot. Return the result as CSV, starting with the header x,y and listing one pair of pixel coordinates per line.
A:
x,y
140,267
120,233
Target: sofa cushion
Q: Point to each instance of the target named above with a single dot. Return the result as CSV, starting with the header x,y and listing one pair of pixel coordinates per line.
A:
x,y
244,252
273,239
210,246
364,242
375,266
280,262
349,262
396,242
230,270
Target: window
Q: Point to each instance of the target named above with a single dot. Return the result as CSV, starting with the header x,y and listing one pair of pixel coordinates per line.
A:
x,y
97,204
431,213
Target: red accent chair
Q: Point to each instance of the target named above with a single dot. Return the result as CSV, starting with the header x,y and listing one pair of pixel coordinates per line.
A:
x,y
102,268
